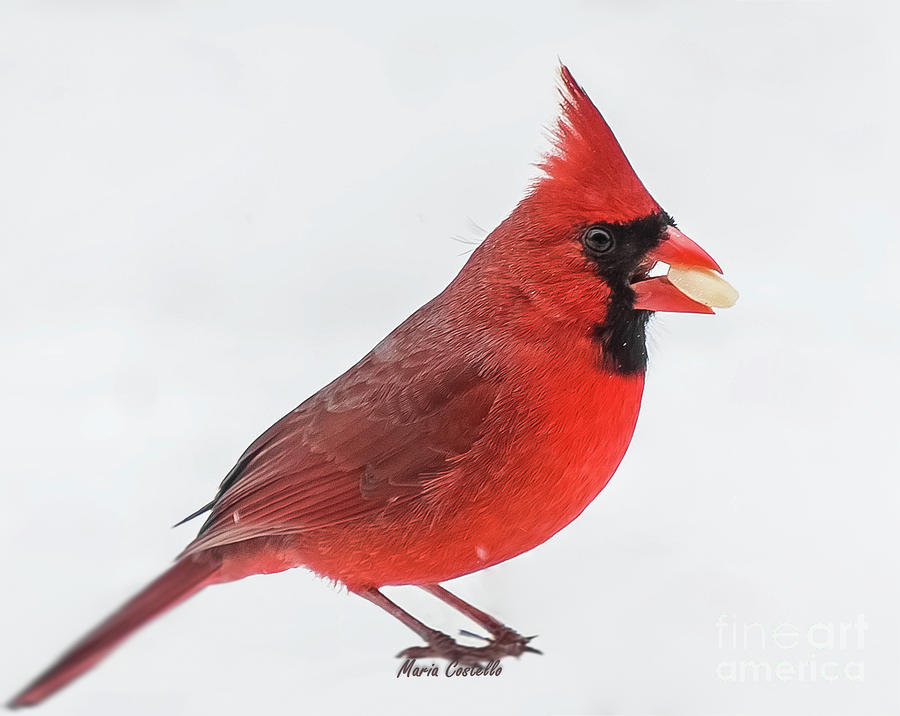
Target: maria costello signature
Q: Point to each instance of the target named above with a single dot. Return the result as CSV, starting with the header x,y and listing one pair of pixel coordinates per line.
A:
x,y
454,668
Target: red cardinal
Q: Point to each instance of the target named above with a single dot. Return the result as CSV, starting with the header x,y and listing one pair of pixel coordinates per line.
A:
x,y
480,427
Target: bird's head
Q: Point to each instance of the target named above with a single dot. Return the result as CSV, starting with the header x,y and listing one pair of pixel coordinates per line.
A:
x,y
583,241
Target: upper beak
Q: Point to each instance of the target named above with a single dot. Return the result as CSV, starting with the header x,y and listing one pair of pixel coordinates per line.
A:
x,y
700,285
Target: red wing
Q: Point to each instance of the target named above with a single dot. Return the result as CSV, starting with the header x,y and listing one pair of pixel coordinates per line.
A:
x,y
383,433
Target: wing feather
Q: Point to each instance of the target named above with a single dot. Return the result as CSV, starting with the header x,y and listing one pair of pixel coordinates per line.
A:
x,y
383,434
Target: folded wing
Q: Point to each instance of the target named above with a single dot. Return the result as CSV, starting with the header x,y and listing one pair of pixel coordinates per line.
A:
x,y
384,433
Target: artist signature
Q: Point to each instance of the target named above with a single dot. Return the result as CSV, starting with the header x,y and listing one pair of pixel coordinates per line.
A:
x,y
411,668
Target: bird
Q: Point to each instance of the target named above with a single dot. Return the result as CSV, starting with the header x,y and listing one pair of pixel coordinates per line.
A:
x,y
482,425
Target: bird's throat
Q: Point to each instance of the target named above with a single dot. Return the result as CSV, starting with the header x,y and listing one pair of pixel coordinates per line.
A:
x,y
622,336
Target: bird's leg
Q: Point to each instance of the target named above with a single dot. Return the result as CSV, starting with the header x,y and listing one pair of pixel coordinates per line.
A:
x,y
427,633
502,634
506,642
495,627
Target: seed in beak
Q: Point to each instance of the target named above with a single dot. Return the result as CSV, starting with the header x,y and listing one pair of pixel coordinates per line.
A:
x,y
703,285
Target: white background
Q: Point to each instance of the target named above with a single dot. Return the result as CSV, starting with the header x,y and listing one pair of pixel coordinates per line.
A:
x,y
209,210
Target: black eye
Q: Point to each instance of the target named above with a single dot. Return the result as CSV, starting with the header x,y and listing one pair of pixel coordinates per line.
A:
x,y
598,239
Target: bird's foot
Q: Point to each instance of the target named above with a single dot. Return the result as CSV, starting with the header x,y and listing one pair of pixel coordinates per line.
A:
x,y
502,644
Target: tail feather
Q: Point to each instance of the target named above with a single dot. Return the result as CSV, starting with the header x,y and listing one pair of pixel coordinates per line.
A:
x,y
186,577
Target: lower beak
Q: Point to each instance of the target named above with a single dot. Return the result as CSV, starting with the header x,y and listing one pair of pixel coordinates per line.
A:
x,y
694,283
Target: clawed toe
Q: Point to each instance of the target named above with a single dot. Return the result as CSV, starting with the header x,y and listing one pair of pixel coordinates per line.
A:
x,y
442,646
502,642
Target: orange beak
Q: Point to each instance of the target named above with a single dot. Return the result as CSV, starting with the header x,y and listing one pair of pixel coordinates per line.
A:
x,y
658,293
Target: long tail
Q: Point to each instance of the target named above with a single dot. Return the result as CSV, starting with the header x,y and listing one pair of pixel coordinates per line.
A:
x,y
185,578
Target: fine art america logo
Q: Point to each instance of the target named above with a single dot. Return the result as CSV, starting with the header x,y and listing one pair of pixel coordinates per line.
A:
x,y
410,668
810,652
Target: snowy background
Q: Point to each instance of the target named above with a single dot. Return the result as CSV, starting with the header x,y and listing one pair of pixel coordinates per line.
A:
x,y
209,210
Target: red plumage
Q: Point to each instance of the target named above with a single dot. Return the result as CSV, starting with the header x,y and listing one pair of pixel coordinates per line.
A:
x,y
588,176
482,425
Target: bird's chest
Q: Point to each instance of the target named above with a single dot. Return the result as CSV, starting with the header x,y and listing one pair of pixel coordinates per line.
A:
x,y
564,439
580,436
